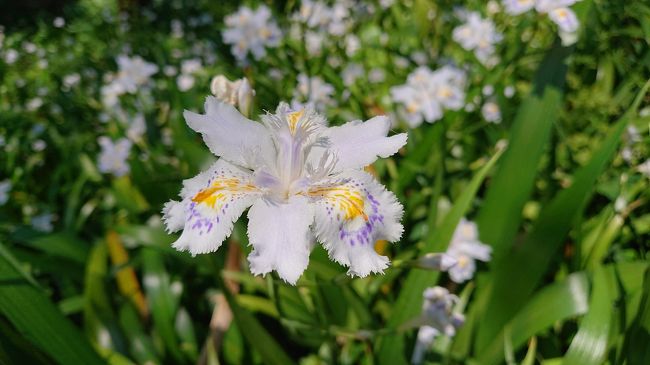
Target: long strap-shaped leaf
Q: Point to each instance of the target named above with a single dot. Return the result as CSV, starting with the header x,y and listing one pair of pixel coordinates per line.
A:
x,y
589,346
555,303
257,336
410,298
515,279
39,320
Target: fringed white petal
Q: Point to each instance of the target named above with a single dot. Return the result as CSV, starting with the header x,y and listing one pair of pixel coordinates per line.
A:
x,y
229,134
281,237
212,202
351,215
358,144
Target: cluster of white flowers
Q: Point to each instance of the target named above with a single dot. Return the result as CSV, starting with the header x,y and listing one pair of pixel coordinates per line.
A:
x,y
112,158
133,72
5,188
334,20
558,11
293,171
438,317
251,31
312,92
465,247
322,20
479,35
427,94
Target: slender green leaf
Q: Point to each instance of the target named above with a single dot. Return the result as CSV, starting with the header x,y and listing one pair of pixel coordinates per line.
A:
x,y
39,320
559,301
589,346
257,336
516,277
513,181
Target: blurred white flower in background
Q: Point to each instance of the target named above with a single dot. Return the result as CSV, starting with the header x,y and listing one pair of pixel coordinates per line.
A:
x,y
351,73
465,247
251,31
312,91
137,127
5,188
491,112
43,222
644,168
558,11
516,7
58,22
71,80
437,318
293,171
479,35
133,72
427,93
113,156
509,91
11,56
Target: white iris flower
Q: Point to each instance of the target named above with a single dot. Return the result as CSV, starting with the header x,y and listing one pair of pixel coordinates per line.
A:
x,y
465,247
304,183
478,35
427,93
558,11
438,317
251,31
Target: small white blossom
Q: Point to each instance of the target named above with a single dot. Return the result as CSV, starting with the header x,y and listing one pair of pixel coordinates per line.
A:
x,y
644,168
465,247
376,75
58,22
427,93
478,35
11,56
71,80
351,73
251,31
565,19
113,156
185,82
509,91
43,222
313,91
491,112
137,127
558,11
516,7
437,318
304,182
133,72
5,188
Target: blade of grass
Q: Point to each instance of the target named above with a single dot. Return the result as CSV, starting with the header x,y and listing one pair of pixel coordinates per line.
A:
x,y
257,336
39,320
516,277
513,181
589,346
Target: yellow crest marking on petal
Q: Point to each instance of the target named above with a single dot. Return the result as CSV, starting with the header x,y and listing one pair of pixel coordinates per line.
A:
x,y
347,200
220,190
293,118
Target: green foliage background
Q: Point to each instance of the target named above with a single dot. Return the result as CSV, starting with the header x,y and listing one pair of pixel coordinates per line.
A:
x,y
568,283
